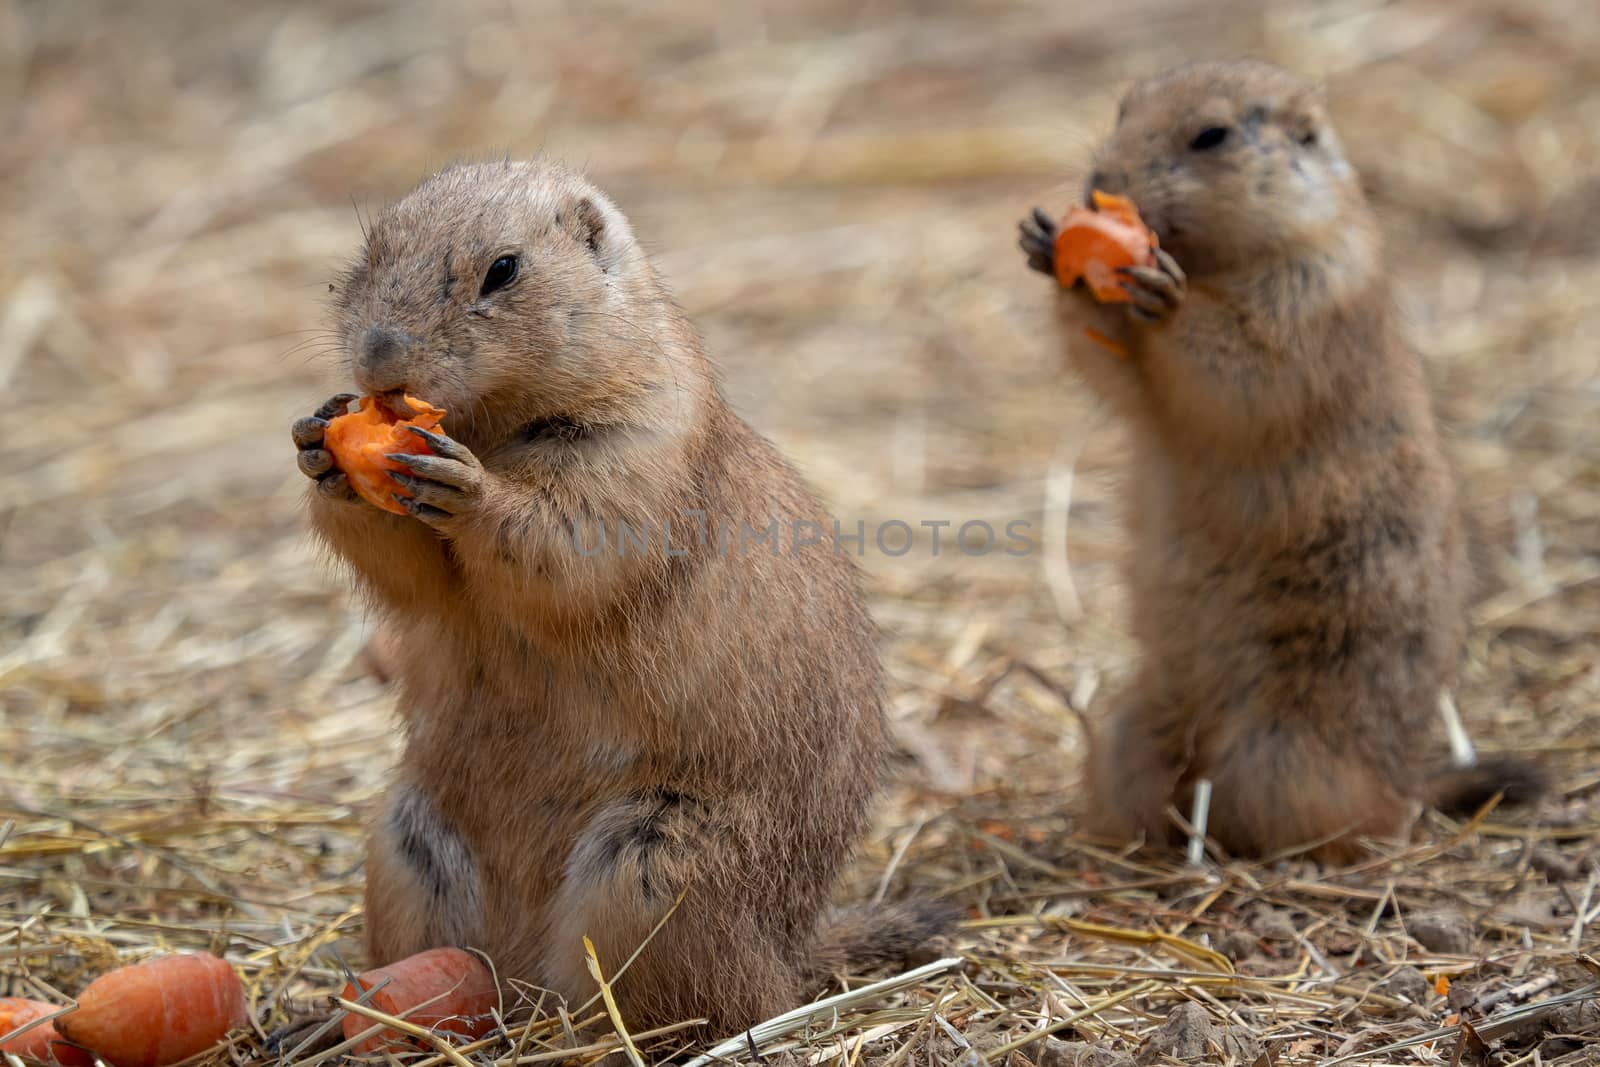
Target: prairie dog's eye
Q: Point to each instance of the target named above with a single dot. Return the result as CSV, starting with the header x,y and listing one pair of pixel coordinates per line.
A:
x,y
1307,138
502,272
1209,138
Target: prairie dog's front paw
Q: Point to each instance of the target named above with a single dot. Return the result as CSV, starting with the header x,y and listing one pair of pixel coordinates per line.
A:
x,y
313,459
444,486
1038,241
1156,292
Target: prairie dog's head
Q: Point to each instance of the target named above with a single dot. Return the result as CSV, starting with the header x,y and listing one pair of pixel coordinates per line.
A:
x,y
514,295
1233,164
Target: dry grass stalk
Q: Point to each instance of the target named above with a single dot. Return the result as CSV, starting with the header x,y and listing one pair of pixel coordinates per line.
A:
x,y
826,1008
188,745
611,1004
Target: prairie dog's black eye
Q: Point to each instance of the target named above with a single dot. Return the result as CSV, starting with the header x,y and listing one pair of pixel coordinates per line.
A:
x,y
1208,138
1307,138
501,274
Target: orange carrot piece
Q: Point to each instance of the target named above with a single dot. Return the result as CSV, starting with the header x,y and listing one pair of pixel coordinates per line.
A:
x,y
42,1043
1091,245
456,986
158,1012
362,439
1115,348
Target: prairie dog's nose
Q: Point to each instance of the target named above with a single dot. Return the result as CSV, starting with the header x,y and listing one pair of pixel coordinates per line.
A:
x,y
383,343
381,365
1106,181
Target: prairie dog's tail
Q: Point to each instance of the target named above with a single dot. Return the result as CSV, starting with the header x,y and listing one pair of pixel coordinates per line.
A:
x,y
869,935
1461,791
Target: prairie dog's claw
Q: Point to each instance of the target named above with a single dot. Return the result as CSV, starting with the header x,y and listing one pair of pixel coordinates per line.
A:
x,y
444,446
335,405
308,432
444,485
1038,241
1156,294
1170,266
314,460
336,486
426,512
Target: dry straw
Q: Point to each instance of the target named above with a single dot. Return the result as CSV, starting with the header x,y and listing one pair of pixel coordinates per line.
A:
x,y
189,747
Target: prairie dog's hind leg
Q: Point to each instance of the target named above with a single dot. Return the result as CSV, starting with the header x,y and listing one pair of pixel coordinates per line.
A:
x,y
1133,767
715,956
422,880
1273,792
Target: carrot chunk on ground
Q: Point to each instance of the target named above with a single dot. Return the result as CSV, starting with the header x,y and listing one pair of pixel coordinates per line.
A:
x,y
448,990
158,1012
1091,245
42,1043
361,441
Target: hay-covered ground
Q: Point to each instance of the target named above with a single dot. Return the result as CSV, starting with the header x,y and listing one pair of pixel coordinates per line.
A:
x,y
188,744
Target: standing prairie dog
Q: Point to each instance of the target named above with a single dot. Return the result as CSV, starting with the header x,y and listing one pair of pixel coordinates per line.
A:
x,y
594,730
1297,570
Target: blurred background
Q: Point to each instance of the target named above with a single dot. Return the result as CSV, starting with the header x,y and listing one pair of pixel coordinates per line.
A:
x,y
831,190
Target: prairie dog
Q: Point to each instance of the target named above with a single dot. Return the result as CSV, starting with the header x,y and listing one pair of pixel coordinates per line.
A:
x,y
1297,573
593,729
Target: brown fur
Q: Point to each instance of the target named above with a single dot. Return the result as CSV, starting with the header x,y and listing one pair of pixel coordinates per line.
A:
x,y
1298,569
589,736
1463,791
379,656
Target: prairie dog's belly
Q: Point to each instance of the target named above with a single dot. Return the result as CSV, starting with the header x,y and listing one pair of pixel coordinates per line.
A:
x,y
1335,634
482,839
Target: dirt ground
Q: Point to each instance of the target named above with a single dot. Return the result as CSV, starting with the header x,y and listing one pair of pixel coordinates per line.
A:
x,y
188,744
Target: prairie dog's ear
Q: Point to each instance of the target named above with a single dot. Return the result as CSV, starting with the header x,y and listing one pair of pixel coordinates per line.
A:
x,y
589,225
1310,103
1305,115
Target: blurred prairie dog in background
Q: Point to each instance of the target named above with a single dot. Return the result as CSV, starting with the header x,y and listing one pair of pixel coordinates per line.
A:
x,y
1298,572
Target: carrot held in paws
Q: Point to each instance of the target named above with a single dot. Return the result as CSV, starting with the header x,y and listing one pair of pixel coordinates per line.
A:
x,y
361,440
1093,243
158,1012
43,1042
448,990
